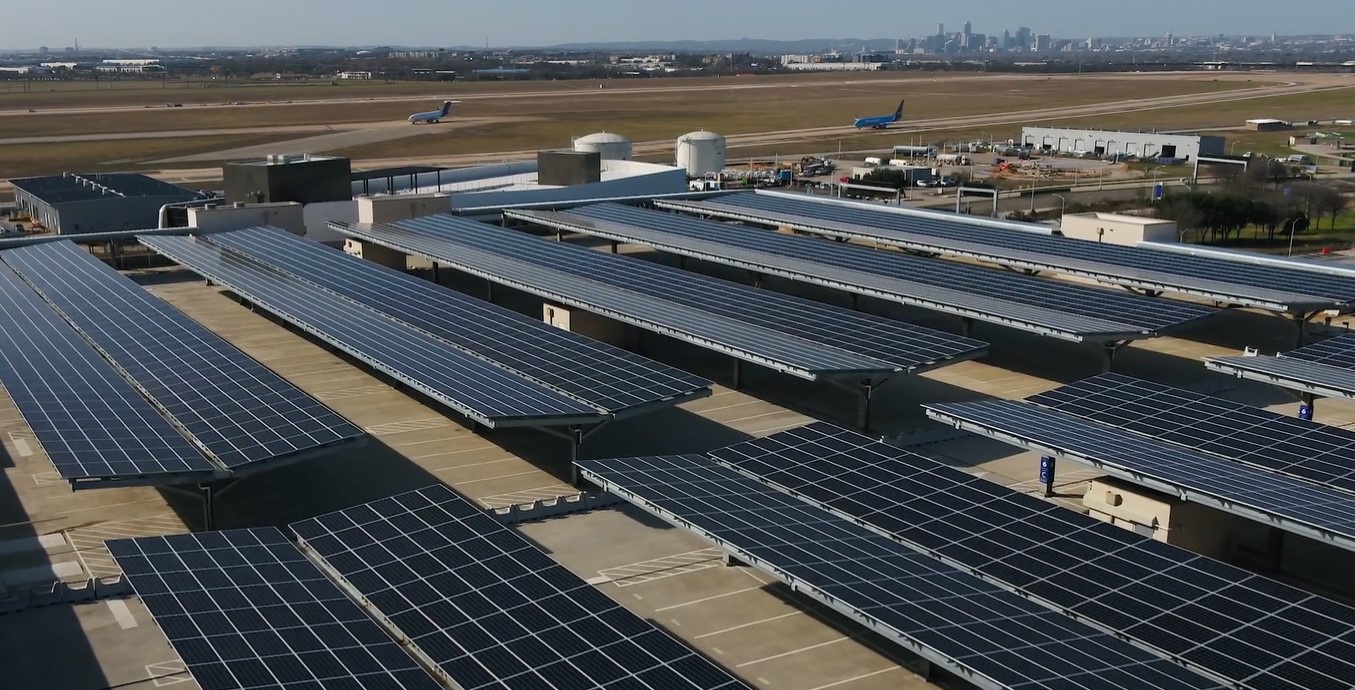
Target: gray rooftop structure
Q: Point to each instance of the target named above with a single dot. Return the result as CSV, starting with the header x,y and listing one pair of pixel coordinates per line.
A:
x,y
71,204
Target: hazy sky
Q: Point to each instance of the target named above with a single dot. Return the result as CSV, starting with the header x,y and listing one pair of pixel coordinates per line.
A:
x,y
168,23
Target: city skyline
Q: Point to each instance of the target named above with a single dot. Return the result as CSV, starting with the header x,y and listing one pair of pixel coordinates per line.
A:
x,y
427,23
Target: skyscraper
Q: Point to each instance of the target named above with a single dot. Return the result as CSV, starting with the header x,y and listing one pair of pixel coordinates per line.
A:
x,y
968,28
1023,36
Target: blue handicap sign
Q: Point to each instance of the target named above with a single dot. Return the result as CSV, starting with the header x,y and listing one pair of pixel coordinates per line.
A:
x,y
1046,470
1306,412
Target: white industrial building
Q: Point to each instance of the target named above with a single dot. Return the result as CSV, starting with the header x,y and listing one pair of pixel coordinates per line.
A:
x,y
1113,228
1100,142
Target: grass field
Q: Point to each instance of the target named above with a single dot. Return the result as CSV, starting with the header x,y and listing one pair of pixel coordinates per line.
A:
x,y
665,116
24,160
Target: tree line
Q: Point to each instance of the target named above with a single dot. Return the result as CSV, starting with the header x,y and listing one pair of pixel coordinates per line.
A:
x,y
1265,196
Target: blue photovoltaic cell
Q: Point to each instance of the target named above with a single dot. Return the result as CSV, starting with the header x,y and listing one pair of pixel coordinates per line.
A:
x,y
235,408
91,423
478,389
597,373
951,617
245,610
1240,626
492,610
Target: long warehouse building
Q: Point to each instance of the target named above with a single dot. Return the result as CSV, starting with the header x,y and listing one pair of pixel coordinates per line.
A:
x,y
1101,142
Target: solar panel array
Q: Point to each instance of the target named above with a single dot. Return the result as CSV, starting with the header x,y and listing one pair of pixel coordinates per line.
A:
x,y
1263,285
540,267
489,608
1294,374
91,423
903,345
1246,628
1082,312
1297,447
473,387
245,610
232,406
945,614
599,374
1289,503
1337,352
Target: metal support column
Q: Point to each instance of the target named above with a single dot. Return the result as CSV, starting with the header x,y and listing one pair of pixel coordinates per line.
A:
x,y
575,443
1275,550
856,301
737,376
489,291
614,247
436,278
682,262
1108,351
1301,322
1307,403
757,280
559,235
208,509
863,411
966,326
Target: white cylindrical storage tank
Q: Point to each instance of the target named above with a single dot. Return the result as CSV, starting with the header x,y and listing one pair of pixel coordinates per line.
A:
x,y
701,153
612,147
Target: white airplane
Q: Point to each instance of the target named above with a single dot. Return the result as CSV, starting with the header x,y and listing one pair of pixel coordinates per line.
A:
x,y
433,116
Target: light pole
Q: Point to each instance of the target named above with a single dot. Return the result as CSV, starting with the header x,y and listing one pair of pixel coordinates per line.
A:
x,y
1292,222
1231,147
1063,205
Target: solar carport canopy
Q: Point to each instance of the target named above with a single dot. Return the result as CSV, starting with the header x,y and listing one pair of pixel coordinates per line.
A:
x,y
1325,368
1268,286
791,335
481,391
987,635
1061,310
1296,505
605,376
92,424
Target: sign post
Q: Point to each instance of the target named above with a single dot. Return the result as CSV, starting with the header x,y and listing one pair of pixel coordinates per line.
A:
x,y
1047,475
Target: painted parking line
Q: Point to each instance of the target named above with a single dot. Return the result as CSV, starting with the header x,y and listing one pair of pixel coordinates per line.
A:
x,y
793,652
640,572
741,626
703,600
863,676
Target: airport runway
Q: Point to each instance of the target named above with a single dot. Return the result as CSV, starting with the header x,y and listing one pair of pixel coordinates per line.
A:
x,y
758,139
576,89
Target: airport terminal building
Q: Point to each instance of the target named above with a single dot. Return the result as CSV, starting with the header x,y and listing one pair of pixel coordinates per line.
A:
x,y
1099,142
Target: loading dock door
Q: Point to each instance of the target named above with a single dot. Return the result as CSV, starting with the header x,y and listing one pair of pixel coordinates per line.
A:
x,y
1168,151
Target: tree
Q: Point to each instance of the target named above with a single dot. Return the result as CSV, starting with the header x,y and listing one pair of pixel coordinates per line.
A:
x,y
1326,201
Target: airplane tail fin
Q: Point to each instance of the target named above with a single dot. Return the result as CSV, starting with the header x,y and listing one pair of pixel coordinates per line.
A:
x,y
898,114
446,107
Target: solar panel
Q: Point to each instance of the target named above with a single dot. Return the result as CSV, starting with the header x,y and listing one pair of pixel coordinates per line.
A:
x,y
1288,503
1267,286
235,408
904,345
1242,627
981,293
490,609
990,635
608,377
1295,374
1317,452
1338,352
778,351
473,387
245,610
91,423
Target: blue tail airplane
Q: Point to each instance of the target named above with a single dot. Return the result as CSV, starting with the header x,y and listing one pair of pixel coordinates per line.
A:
x,y
880,121
432,116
